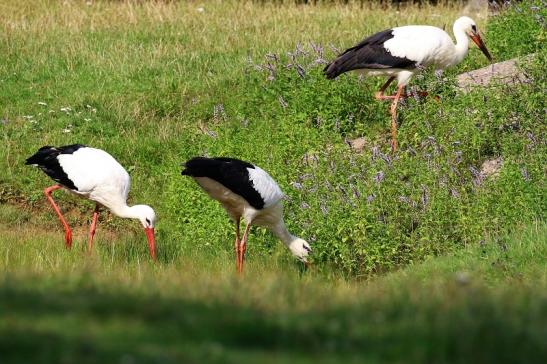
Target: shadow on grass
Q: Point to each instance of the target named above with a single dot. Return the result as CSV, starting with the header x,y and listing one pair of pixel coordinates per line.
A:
x,y
89,324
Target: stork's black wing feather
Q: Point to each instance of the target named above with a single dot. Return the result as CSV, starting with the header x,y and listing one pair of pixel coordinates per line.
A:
x,y
46,159
230,172
369,54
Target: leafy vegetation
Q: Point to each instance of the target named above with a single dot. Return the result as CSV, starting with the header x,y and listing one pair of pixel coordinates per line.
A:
x,y
419,256
156,84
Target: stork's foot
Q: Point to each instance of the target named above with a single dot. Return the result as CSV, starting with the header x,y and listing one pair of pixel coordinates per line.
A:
x,y
420,94
242,247
380,96
394,145
241,257
93,228
68,233
68,238
393,112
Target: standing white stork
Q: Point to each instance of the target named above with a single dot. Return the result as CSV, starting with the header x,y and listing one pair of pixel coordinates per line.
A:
x,y
400,52
93,174
245,191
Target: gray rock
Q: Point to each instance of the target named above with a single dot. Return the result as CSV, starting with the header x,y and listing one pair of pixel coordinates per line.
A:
x,y
358,144
507,72
491,168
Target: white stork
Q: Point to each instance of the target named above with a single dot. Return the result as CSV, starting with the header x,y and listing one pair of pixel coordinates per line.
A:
x,y
245,191
400,52
93,174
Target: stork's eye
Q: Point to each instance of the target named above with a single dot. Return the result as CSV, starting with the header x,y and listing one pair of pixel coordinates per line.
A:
x,y
474,27
147,221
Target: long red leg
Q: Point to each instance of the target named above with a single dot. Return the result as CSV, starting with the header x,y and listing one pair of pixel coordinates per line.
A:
x,y
93,228
380,94
394,118
236,245
243,247
68,232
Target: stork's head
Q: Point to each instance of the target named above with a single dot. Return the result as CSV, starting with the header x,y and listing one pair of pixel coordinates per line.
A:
x,y
468,25
147,217
300,249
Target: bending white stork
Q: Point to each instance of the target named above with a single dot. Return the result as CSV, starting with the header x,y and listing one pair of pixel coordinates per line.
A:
x,y
245,191
400,52
93,174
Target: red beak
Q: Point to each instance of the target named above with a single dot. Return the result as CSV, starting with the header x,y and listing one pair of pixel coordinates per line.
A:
x,y
151,241
478,41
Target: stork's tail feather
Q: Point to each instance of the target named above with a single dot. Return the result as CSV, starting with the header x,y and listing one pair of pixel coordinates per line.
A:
x,y
330,71
344,63
48,152
41,155
199,166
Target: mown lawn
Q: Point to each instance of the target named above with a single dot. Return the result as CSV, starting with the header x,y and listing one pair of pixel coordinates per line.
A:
x,y
418,256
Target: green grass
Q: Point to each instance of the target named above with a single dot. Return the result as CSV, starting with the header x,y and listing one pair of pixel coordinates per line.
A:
x,y
487,303
158,83
417,258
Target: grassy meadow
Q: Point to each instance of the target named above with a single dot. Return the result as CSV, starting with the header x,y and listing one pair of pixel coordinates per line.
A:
x,y
419,256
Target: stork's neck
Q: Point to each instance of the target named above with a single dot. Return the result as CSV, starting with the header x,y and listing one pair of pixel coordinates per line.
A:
x,y
281,231
462,44
122,210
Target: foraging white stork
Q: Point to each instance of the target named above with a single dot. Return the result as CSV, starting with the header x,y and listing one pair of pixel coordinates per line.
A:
x,y
93,174
400,52
245,191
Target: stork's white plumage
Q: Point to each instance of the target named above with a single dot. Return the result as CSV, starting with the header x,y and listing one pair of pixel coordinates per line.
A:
x,y
93,174
245,191
401,52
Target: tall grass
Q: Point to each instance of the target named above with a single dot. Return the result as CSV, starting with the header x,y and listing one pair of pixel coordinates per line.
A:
x,y
483,303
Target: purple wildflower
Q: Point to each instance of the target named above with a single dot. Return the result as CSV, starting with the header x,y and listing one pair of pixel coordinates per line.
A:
x,y
323,208
274,57
477,177
219,114
317,48
425,196
524,173
404,199
301,72
334,49
375,152
282,102
318,121
300,51
457,157
297,185
386,158
379,177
